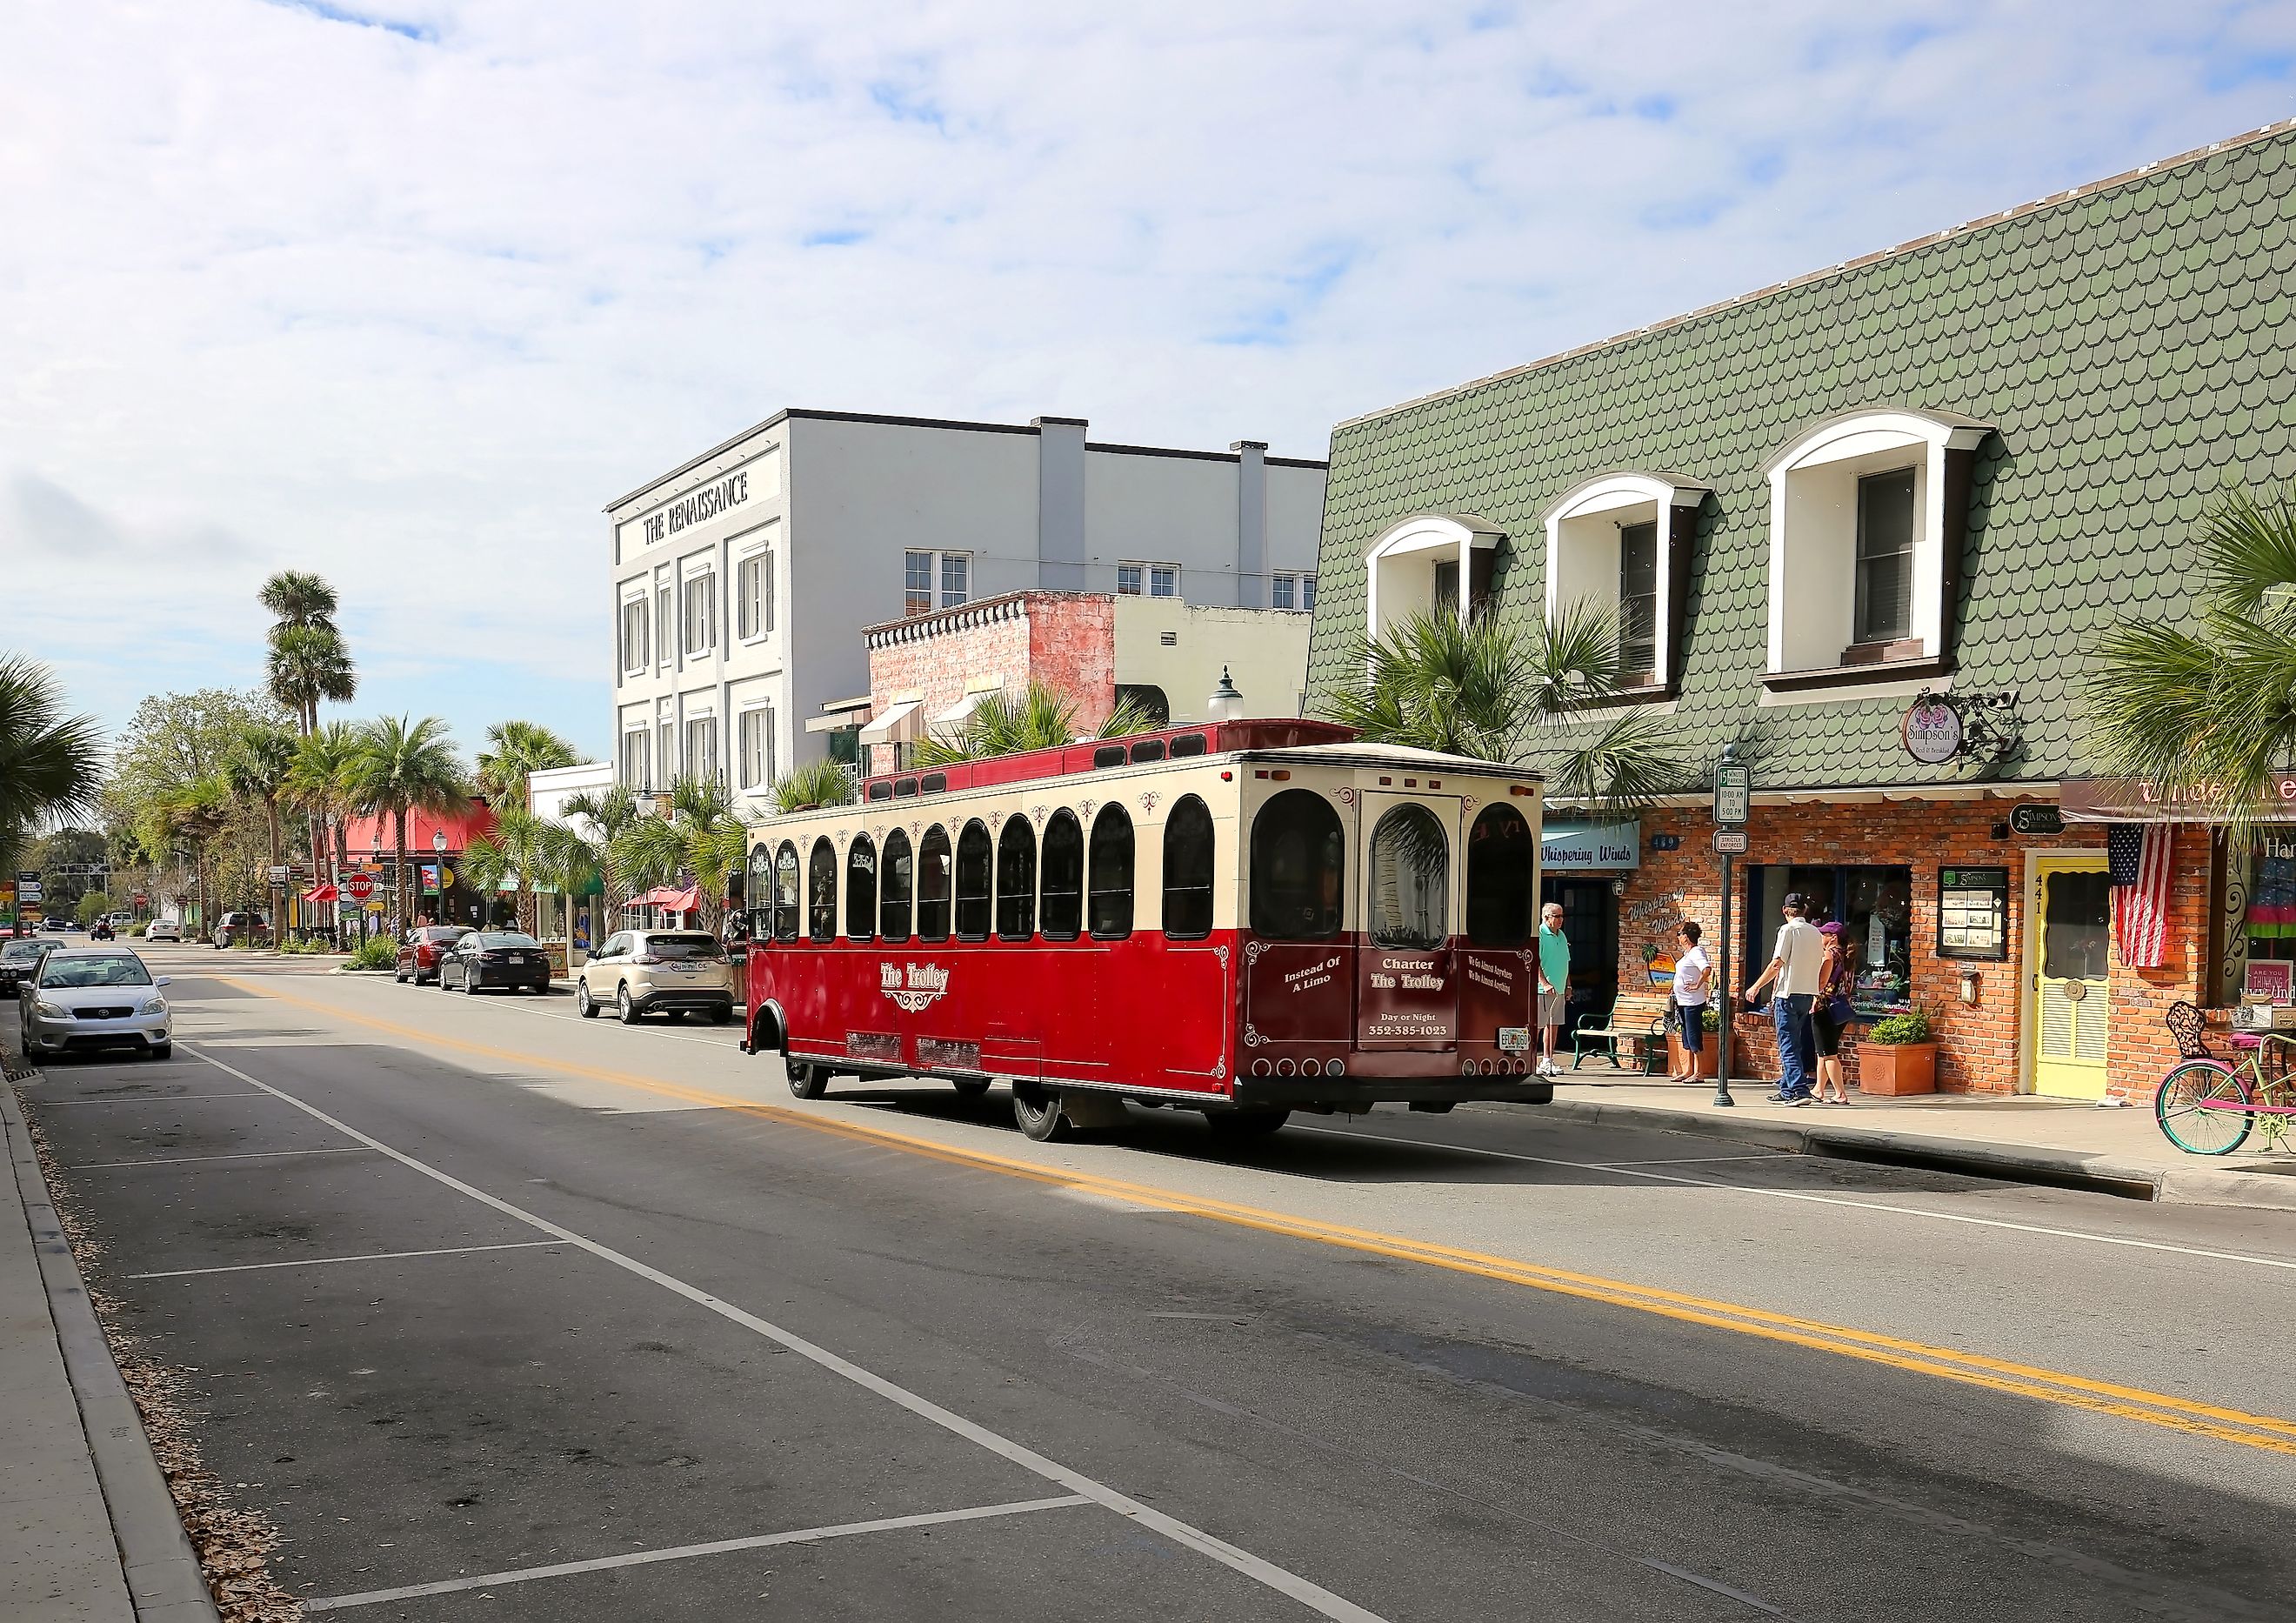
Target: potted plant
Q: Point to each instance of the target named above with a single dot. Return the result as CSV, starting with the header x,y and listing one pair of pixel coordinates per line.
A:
x,y
1708,1052
1897,1056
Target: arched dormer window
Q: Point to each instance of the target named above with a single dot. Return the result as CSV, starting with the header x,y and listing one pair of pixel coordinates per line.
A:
x,y
1622,542
1432,561
1868,512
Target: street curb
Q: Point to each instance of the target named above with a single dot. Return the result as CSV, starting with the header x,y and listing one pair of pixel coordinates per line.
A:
x,y
2010,1163
162,1570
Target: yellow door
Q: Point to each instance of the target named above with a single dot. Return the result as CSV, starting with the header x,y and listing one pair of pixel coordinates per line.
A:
x,y
2071,905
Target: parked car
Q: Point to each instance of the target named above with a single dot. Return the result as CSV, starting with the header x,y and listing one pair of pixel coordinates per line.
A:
x,y
19,958
56,924
163,930
484,958
419,950
238,927
94,997
645,971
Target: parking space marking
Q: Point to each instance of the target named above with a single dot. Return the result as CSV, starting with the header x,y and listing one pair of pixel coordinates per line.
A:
x,y
144,1099
313,1262
639,1558
1694,1161
1281,1580
186,1161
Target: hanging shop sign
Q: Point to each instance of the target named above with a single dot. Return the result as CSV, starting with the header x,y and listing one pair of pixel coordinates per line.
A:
x,y
1566,847
2037,820
1974,914
1931,731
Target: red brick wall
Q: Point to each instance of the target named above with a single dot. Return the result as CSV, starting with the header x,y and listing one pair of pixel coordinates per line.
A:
x,y
1066,640
1072,649
1978,1045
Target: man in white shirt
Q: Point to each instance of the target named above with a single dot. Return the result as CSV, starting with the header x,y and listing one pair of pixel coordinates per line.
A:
x,y
1797,965
1693,975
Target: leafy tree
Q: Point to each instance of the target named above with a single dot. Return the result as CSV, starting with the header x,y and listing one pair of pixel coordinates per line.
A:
x,y
257,766
1485,690
2208,707
170,757
400,767
50,764
701,842
194,815
517,750
67,847
1039,717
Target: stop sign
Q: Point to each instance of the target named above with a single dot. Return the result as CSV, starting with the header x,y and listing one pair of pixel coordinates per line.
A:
x,y
359,886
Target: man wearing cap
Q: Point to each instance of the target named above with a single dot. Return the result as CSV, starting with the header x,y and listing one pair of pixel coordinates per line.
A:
x,y
1797,964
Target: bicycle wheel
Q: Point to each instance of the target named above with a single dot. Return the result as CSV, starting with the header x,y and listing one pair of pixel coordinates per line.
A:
x,y
2203,1108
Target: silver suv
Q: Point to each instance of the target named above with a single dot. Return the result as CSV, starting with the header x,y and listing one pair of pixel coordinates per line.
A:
x,y
642,971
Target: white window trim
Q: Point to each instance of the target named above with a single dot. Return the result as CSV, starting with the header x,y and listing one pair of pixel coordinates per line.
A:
x,y
756,544
1860,433
1607,493
757,715
1461,534
638,594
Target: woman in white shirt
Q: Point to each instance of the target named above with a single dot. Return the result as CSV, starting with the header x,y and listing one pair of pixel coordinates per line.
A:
x,y
1694,978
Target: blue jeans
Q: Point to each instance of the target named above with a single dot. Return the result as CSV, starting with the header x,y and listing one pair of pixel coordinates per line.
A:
x,y
1797,1044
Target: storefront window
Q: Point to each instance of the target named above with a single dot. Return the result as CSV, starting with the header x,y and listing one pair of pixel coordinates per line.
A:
x,y
1875,907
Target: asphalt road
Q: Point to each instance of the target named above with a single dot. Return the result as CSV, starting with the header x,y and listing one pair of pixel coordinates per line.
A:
x,y
473,1290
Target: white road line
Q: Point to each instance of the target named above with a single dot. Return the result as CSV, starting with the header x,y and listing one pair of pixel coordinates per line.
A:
x,y
1625,1169
1698,1160
143,1099
185,1160
1309,1594
639,1558
313,1262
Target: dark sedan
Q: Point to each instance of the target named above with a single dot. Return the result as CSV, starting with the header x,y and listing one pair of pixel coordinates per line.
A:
x,y
420,948
20,956
486,958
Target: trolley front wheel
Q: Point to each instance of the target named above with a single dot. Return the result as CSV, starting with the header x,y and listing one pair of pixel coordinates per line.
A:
x,y
2204,1107
971,1087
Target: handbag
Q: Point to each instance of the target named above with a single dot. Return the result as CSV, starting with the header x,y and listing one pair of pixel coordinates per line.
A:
x,y
1841,1011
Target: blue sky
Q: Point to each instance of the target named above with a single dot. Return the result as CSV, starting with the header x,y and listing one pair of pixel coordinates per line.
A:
x,y
407,291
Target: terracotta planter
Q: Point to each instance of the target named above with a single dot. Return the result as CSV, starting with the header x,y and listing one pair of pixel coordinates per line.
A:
x,y
1708,1055
1890,1071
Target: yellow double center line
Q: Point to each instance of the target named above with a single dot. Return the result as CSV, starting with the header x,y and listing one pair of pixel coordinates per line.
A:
x,y
1946,1364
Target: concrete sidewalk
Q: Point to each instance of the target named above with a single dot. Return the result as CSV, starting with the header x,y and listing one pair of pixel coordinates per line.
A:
x,y
2016,1138
88,1533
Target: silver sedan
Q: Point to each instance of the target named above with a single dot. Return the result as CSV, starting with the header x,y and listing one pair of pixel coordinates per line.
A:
x,y
94,997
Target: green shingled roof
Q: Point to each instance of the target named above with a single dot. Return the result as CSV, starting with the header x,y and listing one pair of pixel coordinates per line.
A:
x,y
2131,343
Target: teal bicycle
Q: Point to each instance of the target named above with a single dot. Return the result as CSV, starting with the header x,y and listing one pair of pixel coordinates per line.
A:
x,y
2210,1106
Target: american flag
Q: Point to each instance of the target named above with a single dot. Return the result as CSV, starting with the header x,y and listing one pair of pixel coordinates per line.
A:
x,y
2136,853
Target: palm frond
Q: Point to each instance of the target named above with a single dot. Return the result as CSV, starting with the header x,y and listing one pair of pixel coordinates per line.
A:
x,y
50,764
822,782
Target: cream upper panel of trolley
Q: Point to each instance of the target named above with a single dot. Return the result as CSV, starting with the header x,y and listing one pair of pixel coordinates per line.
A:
x,y
1357,779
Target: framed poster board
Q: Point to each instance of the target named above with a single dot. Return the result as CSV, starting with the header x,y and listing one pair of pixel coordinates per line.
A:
x,y
2268,980
1974,914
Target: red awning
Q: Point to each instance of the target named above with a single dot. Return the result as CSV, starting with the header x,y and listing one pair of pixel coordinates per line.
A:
x,y
322,893
676,901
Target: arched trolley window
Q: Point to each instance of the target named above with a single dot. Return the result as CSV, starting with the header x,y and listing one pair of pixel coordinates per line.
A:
x,y
894,884
1016,880
1408,898
789,911
975,857
934,864
761,892
1298,868
1502,867
1111,874
821,884
1188,871
1062,879
861,889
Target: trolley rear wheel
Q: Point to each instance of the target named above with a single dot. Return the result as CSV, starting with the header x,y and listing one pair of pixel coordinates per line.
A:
x,y
807,1081
1039,1114
2201,1107
1235,1126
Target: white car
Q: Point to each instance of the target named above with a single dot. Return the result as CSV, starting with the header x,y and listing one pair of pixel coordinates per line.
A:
x,y
94,997
163,930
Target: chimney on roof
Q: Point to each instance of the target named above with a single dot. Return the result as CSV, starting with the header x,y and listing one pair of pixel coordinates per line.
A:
x,y
1060,502
1251,523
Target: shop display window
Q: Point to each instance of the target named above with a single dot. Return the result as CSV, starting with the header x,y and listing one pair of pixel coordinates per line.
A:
x,y
1876,905
2270,922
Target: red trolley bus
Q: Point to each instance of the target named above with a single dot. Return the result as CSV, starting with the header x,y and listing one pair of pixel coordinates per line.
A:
x,y
1244,918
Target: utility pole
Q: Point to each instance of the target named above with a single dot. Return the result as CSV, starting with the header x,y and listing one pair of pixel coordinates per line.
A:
x,y
1734,796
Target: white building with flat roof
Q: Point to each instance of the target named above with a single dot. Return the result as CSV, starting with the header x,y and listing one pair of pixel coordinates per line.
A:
x,y
742,580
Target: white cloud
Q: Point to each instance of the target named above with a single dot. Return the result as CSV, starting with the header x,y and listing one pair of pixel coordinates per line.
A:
x,y
284,283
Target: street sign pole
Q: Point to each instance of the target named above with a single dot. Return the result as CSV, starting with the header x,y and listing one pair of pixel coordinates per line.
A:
x,y
1733,803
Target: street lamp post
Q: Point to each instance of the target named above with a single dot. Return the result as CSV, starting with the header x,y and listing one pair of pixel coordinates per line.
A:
x,y
1226,703
1734,796
438,845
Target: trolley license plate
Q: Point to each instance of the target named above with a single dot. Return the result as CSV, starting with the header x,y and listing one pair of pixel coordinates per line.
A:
x,y
1514,1039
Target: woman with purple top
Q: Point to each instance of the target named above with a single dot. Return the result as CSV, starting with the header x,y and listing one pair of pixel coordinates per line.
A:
x,y
1829,1015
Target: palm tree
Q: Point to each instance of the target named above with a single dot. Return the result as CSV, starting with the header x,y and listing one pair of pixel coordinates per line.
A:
x,y
523,849
309,661
1482,689
257,768
1038,718
822,782
610,812
400,767
50,764
702,840
189,815
2210,709
316,782
520,749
